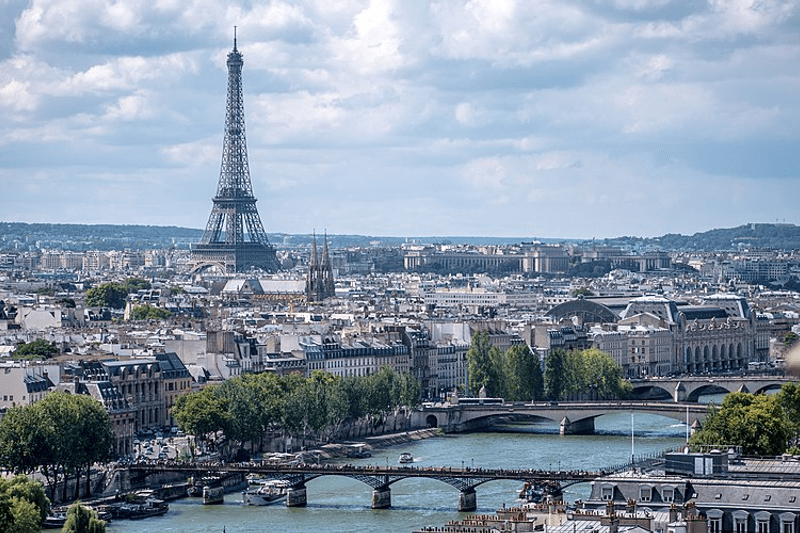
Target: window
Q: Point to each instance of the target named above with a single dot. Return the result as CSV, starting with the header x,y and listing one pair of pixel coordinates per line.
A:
x,y
740,525
740,521
715,525
787,522
645,494
668,494
608,493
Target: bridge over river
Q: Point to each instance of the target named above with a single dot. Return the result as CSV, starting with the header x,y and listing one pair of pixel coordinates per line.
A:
x,y
690,388
380,478
574,418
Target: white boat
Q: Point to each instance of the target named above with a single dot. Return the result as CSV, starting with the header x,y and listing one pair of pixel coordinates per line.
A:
x,y
267,493
406,457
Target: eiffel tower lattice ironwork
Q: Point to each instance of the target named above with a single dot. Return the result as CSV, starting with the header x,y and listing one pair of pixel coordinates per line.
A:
x,y
234,239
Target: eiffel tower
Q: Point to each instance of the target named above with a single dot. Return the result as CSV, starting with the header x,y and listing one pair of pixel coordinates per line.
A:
x,y
234,239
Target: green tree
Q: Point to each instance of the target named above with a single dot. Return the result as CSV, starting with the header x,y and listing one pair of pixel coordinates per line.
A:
x,y
23,505
25,439
789,398
92,419
133,285
484,365
51,435
554,374
37,349
203,413
523,374
408,389
757,423
603,375
24,517
790,338
81,519
107,295
66,302
149,312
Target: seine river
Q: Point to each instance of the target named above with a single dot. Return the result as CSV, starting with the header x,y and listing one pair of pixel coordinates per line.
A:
x,y
344,505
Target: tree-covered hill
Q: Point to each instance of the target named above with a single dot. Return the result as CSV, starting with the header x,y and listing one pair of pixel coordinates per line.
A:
x,y
777,236
22,236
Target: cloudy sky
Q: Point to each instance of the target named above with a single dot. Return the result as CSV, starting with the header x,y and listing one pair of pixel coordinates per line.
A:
x,y
545,118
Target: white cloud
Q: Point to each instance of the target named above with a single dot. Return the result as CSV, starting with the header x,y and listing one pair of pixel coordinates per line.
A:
x,y
393,117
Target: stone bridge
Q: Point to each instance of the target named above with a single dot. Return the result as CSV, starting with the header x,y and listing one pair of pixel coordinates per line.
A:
x,y
690,388
574,418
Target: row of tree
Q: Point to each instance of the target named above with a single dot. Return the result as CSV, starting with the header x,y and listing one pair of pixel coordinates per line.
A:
x,y
516,374
60,435
239,411
592,372
763,425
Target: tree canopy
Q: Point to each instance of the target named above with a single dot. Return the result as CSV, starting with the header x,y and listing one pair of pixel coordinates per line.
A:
x,y
36,349
23,505
756,422
51,435
110,294
514,374
148,312
240,410
81,519
575,373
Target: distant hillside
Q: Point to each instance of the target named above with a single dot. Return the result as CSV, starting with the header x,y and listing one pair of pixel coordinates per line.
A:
x,y
20,236
777,236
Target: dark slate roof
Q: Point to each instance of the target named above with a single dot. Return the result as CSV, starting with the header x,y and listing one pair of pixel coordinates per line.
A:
x,y
37,383
171,365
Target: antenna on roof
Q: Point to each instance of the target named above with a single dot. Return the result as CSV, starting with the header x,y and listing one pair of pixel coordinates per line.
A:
x,y
234,39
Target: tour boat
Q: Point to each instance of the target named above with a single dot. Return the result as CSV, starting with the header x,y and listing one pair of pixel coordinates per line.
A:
x,y
406,457
267,493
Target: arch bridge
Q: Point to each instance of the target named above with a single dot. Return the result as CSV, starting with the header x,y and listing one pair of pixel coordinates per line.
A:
x,y
574,418
690,388
378,477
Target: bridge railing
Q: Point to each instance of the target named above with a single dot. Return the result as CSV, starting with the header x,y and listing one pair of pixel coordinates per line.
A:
x,y
642,460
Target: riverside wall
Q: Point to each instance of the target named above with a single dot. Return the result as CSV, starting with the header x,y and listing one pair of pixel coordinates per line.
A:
x,y
362,430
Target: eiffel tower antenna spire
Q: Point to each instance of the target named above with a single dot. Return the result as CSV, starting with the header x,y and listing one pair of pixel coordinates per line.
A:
x,y
234,239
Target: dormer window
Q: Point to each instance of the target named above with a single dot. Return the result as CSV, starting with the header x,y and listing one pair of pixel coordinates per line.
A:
x,y
645,494
668,494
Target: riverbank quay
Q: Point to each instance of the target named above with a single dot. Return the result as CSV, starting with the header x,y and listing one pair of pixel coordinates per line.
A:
x,y
341,449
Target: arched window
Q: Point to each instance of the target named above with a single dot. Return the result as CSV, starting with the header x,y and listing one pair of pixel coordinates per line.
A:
x,y
714,517
740,521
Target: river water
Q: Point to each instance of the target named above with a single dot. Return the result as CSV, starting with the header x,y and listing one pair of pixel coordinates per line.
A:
x,y
340,505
